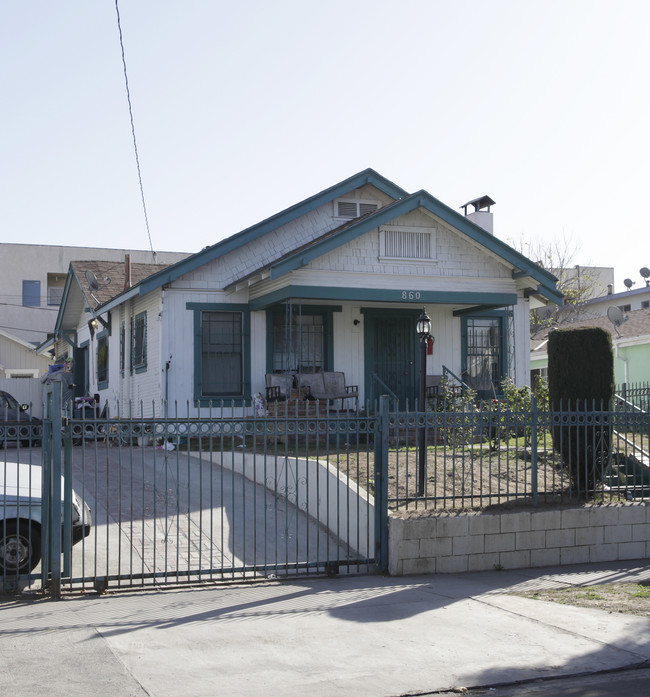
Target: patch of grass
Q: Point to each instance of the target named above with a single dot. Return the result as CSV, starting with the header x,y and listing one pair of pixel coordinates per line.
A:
x,y
627,598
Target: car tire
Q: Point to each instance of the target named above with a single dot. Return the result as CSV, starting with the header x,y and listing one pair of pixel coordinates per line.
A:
x,y
20,547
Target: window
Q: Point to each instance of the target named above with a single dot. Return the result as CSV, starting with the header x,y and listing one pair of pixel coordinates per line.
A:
x,y
55,286
139,342
298,342
483,354
409,243
122,348
102,361
221,353
645,304
625,308
222,358
32,293
354,209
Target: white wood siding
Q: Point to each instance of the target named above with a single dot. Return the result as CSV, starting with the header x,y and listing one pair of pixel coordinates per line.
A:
x,y
16,356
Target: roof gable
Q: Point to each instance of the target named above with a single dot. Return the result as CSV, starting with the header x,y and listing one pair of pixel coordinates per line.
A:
x,y
422,199
367,176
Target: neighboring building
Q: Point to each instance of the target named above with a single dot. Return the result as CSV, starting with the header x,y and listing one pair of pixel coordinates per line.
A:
x,y
589,281
32,278
18,358
334,283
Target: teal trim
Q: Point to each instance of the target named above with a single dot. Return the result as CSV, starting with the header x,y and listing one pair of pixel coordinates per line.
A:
x,y
412,297
482,310
64,300
66,334
370,350
367,176
421,199
503,347
102,381
201,399
139,363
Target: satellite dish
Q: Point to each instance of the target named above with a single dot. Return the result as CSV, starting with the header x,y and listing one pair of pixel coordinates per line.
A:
x,y
616,317
93,283
645,272
92,280
628,283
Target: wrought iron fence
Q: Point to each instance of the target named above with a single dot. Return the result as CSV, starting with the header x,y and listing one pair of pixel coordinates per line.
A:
x,y
236,493
481,457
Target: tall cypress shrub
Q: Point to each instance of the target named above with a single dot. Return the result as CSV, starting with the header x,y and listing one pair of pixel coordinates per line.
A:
x,y
581,379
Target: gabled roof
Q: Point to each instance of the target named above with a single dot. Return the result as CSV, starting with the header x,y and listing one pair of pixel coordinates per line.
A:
x,y
110,275
546,282
541,281
367,176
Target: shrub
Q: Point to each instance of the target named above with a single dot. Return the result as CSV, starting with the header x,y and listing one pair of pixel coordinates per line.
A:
x,y
581,379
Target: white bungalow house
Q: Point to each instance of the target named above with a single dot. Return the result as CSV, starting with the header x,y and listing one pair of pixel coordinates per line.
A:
x,y
333,283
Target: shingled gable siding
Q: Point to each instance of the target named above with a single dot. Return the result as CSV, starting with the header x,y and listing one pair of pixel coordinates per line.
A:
x,y
454,256
275,244
454,543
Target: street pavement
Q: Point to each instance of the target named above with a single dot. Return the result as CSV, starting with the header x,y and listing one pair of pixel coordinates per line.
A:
x,y
349,635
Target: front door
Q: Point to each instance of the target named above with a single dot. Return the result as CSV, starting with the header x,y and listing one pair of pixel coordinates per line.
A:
x,y
390,355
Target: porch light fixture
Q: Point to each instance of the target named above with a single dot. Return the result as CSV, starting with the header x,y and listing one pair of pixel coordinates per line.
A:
x,y
423,327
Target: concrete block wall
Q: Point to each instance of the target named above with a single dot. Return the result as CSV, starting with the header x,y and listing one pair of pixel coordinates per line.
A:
x,y
457,542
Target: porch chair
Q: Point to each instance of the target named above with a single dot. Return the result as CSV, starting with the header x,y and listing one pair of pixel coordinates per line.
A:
x,y
278,386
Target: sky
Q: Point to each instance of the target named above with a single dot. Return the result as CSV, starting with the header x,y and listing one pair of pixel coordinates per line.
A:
x,y
242,109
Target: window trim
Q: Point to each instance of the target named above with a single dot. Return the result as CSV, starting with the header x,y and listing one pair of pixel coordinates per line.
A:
x,y
500,315
122,348
102,384
201,400
417,229
140,367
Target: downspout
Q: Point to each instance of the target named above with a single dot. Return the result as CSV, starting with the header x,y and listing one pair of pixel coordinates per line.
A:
x,y
625,363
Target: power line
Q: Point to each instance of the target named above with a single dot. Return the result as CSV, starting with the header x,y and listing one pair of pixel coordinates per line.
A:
x,y
135,144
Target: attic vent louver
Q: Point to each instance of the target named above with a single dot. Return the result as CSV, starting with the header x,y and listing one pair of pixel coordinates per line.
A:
x,y
355,209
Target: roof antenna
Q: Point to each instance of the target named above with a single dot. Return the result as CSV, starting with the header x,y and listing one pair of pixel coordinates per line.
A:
x,y
645,272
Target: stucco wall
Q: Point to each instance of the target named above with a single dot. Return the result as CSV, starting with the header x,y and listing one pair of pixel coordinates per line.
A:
x,y
453,543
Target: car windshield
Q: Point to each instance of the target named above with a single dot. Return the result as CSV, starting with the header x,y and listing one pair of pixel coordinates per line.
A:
x,y
8,402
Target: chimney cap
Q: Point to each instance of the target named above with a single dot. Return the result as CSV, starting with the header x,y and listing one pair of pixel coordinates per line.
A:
x,y
478,203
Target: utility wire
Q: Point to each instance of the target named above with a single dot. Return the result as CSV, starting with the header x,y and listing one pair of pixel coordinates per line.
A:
x,y
135,144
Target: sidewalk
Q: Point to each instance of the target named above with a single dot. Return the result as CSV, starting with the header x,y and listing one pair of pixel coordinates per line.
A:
x,y
363,636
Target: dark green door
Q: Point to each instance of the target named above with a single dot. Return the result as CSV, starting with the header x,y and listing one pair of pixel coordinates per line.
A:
x,y
390,355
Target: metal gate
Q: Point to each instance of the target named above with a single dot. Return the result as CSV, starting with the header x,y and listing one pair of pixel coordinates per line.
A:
x,y
217,498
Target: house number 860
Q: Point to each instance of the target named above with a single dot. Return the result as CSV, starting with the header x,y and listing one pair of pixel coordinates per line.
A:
x,y
410,295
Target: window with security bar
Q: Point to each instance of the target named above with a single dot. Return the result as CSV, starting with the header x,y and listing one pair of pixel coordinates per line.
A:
x,y
298,343
484,355
222,358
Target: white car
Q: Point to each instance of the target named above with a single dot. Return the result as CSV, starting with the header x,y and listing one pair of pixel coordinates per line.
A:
x,y
20,517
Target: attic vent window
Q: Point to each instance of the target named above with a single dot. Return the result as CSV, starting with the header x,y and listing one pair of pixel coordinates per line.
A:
x,y
407,243
354,209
